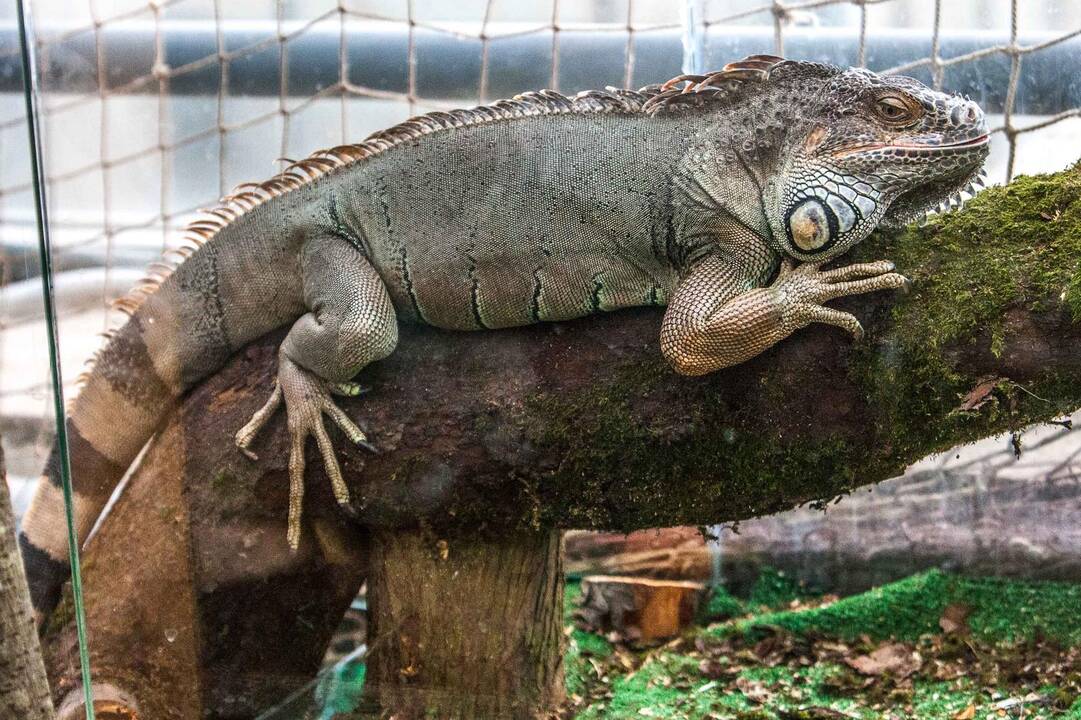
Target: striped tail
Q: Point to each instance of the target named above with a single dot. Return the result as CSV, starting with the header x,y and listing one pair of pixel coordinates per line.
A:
x,y
122,403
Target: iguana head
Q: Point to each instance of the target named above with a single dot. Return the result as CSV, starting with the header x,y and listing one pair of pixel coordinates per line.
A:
x,y
868,149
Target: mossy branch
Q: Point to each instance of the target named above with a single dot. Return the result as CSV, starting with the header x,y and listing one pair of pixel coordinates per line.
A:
x,y
581,424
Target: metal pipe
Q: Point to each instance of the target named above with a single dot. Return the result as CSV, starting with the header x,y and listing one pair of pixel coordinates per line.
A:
x,y
448,66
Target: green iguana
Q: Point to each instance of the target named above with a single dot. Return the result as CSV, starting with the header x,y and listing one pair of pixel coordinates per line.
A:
x,y
701,194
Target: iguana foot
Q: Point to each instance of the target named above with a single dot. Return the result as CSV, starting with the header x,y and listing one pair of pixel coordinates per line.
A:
x,y
805,287
307,397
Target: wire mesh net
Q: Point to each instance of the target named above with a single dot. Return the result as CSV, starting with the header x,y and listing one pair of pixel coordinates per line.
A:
x,y
153,110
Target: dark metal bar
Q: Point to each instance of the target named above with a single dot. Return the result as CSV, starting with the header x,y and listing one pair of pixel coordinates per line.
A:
x,y
448,66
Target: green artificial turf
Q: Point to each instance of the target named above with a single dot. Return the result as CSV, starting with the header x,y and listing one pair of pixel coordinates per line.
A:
x,y
1002,610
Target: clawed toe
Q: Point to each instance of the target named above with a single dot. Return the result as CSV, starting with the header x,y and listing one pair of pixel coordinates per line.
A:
x,y
858,270
246,434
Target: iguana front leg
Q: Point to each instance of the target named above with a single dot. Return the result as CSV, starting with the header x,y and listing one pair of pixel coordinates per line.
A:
x,y
714,320
350,324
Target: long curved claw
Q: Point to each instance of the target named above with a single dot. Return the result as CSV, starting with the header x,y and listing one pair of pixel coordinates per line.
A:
x,y
347,426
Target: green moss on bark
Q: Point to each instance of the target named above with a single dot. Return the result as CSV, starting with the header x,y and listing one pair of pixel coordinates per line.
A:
x,y
1005,249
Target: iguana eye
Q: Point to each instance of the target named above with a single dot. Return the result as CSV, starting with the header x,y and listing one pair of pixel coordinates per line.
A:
x,y
895,110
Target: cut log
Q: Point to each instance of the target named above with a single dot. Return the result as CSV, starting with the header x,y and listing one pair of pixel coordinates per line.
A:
x,y
677,553
640,610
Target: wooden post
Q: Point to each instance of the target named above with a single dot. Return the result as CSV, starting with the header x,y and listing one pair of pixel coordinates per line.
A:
x,y
465,627
24,690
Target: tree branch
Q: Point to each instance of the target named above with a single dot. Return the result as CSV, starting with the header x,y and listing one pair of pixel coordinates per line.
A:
x,y
485,436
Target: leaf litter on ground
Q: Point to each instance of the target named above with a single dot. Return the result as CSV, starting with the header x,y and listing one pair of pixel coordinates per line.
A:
x,y
767,672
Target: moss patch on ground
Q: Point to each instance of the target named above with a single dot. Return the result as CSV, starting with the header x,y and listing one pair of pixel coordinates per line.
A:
x,y
1014,650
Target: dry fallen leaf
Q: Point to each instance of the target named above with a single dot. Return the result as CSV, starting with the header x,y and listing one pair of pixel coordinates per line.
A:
x,y
715,670
979,395
954,620
966,714
893,658
754,690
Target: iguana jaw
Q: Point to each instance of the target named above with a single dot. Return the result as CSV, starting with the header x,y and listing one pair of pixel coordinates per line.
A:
x,y
944,194
916,149
959,169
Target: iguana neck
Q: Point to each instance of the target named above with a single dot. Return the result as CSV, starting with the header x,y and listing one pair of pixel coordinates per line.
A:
x,y
726,173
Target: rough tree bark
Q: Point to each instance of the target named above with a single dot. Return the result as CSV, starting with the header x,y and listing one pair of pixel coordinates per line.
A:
x,y
489,436
24,689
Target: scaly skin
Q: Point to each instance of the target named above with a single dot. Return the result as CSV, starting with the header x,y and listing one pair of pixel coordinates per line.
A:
x,y
702,195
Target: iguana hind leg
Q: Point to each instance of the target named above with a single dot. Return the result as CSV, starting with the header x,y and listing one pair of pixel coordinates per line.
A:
x,y
350,324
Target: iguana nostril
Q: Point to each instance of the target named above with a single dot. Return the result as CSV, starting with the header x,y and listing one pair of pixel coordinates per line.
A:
x,y
967,113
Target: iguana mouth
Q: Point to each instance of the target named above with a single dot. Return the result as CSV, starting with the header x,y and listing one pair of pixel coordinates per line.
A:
x,y
911,149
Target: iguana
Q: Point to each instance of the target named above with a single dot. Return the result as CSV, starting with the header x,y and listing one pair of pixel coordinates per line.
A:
x,y
719,195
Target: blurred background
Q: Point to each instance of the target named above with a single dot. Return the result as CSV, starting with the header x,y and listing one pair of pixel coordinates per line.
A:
x,y
152,110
